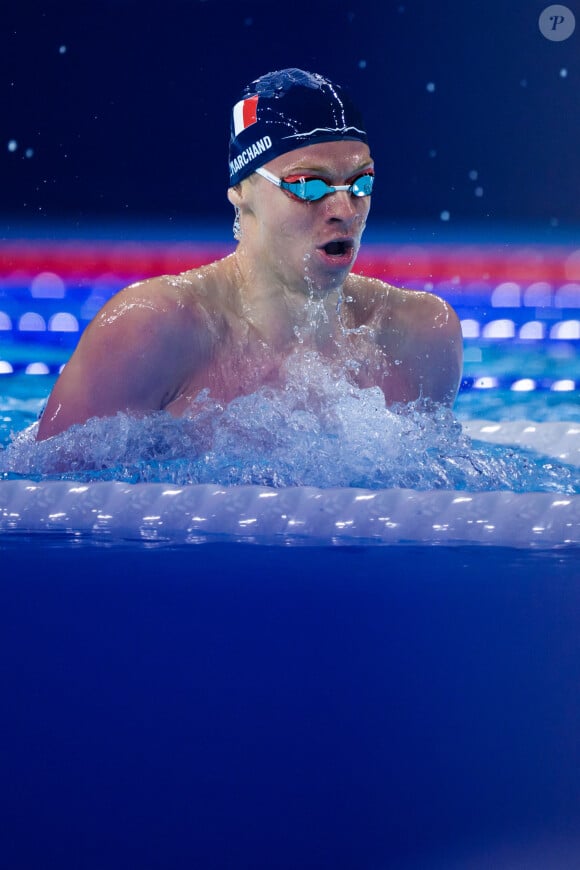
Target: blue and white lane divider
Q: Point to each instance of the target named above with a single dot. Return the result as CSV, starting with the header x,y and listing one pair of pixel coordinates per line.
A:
x,y
519,384
158,513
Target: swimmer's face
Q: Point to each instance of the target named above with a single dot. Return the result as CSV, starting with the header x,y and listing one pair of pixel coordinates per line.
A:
x,y
309,245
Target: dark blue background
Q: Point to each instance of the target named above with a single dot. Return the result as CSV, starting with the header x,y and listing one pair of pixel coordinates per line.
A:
x,y
131,121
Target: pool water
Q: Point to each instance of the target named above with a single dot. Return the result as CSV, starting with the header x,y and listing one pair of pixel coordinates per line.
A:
x,y
230,701
302,703
239,706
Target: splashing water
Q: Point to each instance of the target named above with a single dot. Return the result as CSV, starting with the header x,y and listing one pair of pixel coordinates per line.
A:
x,y
315,429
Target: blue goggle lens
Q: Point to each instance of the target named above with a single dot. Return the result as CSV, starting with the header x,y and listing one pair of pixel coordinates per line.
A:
x,y
311,189
363,185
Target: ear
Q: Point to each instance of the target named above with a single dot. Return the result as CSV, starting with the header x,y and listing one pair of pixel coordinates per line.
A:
x,y
236,195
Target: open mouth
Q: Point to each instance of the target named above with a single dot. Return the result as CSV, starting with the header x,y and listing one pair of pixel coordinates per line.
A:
x,y
338,248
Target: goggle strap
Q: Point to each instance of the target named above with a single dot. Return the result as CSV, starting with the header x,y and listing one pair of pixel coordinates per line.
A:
x,y
268,176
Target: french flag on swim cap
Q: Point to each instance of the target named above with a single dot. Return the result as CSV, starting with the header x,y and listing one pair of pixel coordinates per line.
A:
x,y
245,114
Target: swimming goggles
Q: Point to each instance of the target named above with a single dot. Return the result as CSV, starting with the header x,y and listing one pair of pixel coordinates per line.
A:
x,y
310,189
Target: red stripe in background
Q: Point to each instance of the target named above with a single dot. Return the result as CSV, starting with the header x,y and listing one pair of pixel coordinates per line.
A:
x,y
393,263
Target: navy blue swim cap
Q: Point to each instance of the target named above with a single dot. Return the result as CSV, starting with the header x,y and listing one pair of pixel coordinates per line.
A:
x,y
285,110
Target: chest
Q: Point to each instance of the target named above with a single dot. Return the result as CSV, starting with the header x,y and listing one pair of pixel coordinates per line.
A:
x,y
241,369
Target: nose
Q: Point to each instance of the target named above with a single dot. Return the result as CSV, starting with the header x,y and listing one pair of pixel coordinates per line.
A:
x,y
345,208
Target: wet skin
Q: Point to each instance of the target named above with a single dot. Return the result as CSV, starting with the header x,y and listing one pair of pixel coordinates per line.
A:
x,y
286,289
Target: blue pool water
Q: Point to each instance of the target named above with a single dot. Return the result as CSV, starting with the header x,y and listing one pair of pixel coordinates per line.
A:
x,y
238,706
232,705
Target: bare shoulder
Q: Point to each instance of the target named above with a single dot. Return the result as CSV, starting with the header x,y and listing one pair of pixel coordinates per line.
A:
x,y
419,330
158,302
136,353
400,307
168,317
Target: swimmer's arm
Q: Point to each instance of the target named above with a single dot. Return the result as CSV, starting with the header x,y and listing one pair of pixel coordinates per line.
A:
x,y
133,357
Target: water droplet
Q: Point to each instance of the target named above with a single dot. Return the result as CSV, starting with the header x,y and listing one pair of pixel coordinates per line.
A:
x,y
431,87
445,215
478,191
473,174
563,73
62,49
29,152
432,153
362,64
12,145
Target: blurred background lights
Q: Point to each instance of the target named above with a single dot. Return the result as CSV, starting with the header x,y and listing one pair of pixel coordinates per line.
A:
x,y
63,321
523,385
485,383
31,322
532,330
47,285
566,329
470,328
565,385
503,328
506,295
568,296
538,294
37,368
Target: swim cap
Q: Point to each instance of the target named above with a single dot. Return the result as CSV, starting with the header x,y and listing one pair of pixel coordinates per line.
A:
x,y
285,110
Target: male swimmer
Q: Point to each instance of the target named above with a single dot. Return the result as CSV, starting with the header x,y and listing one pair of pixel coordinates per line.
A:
x,y
301,177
